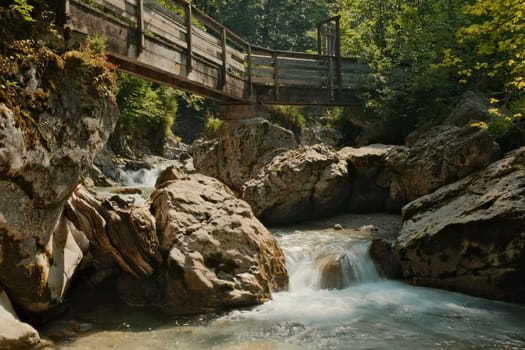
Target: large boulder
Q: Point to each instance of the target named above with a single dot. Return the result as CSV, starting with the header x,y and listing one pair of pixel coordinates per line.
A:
x,y
469,236
14,334
308,182
321,134
50,130
241,148
438,157
472,107
218,255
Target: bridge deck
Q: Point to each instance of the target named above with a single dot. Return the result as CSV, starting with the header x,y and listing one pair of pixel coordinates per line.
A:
x,y
185,48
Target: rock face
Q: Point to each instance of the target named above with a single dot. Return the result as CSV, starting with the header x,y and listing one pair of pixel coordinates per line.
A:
x,y
14,334
119,233
218,254
311,181
382,253
241,148
42,159
370,183
321,134
439,157
470,236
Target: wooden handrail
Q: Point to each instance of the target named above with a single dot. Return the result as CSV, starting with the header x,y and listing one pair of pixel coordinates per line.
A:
x,y
188,46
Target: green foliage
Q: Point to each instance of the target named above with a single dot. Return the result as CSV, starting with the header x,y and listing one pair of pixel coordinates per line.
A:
x,y
289,117
96,44
403,42
490,56
24,9
147,111
213,124
277,24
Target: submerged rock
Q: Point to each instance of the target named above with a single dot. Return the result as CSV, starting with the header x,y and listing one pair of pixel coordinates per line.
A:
x,y
335,271
308,182
241,148
469,236
14,334
218,255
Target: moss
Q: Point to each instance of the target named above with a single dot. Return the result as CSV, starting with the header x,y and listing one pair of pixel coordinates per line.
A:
x,y
26,61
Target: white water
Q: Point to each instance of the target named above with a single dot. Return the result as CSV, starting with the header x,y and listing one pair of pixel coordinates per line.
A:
x,y
371,313
140,178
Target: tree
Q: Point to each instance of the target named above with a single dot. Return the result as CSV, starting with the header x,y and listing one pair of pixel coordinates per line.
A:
x,y
490,57
403,42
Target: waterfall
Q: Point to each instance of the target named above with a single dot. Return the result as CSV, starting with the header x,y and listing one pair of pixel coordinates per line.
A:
x,y
329,265
140,177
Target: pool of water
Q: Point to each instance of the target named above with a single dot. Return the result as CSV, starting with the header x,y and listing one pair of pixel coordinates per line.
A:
x,y
370,313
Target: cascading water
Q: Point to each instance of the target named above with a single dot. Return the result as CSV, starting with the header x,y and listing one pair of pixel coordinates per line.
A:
x,y
359,310
328,262
141,177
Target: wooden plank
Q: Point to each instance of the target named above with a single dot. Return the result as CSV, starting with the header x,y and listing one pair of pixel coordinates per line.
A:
x,y
258,72
176,17
262,60
299,81
120,8
304,65
295,73
165,27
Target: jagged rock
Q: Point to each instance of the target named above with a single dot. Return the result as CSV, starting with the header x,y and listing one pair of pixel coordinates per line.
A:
x,y
382,253
308,182
439,157
118,232
369,187
218,254
469,236
44,153
241,148
14,334
472,107
321,134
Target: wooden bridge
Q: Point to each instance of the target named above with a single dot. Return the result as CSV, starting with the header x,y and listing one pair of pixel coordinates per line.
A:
x,y
185,48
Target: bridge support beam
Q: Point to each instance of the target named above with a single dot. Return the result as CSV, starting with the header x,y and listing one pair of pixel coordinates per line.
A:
x,y
242,111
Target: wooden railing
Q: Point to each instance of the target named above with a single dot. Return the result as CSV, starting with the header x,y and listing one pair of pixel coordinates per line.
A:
x,y
184,47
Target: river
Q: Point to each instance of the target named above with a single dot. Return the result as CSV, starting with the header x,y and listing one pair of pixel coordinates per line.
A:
x,y
370,313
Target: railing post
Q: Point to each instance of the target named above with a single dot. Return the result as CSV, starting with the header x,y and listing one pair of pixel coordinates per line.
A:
x,y
276,75
62,12
224,57
189,35
250,84
319,40
338,52
140,26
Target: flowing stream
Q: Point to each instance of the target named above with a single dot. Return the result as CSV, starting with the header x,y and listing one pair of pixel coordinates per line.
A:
x,y
369,312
